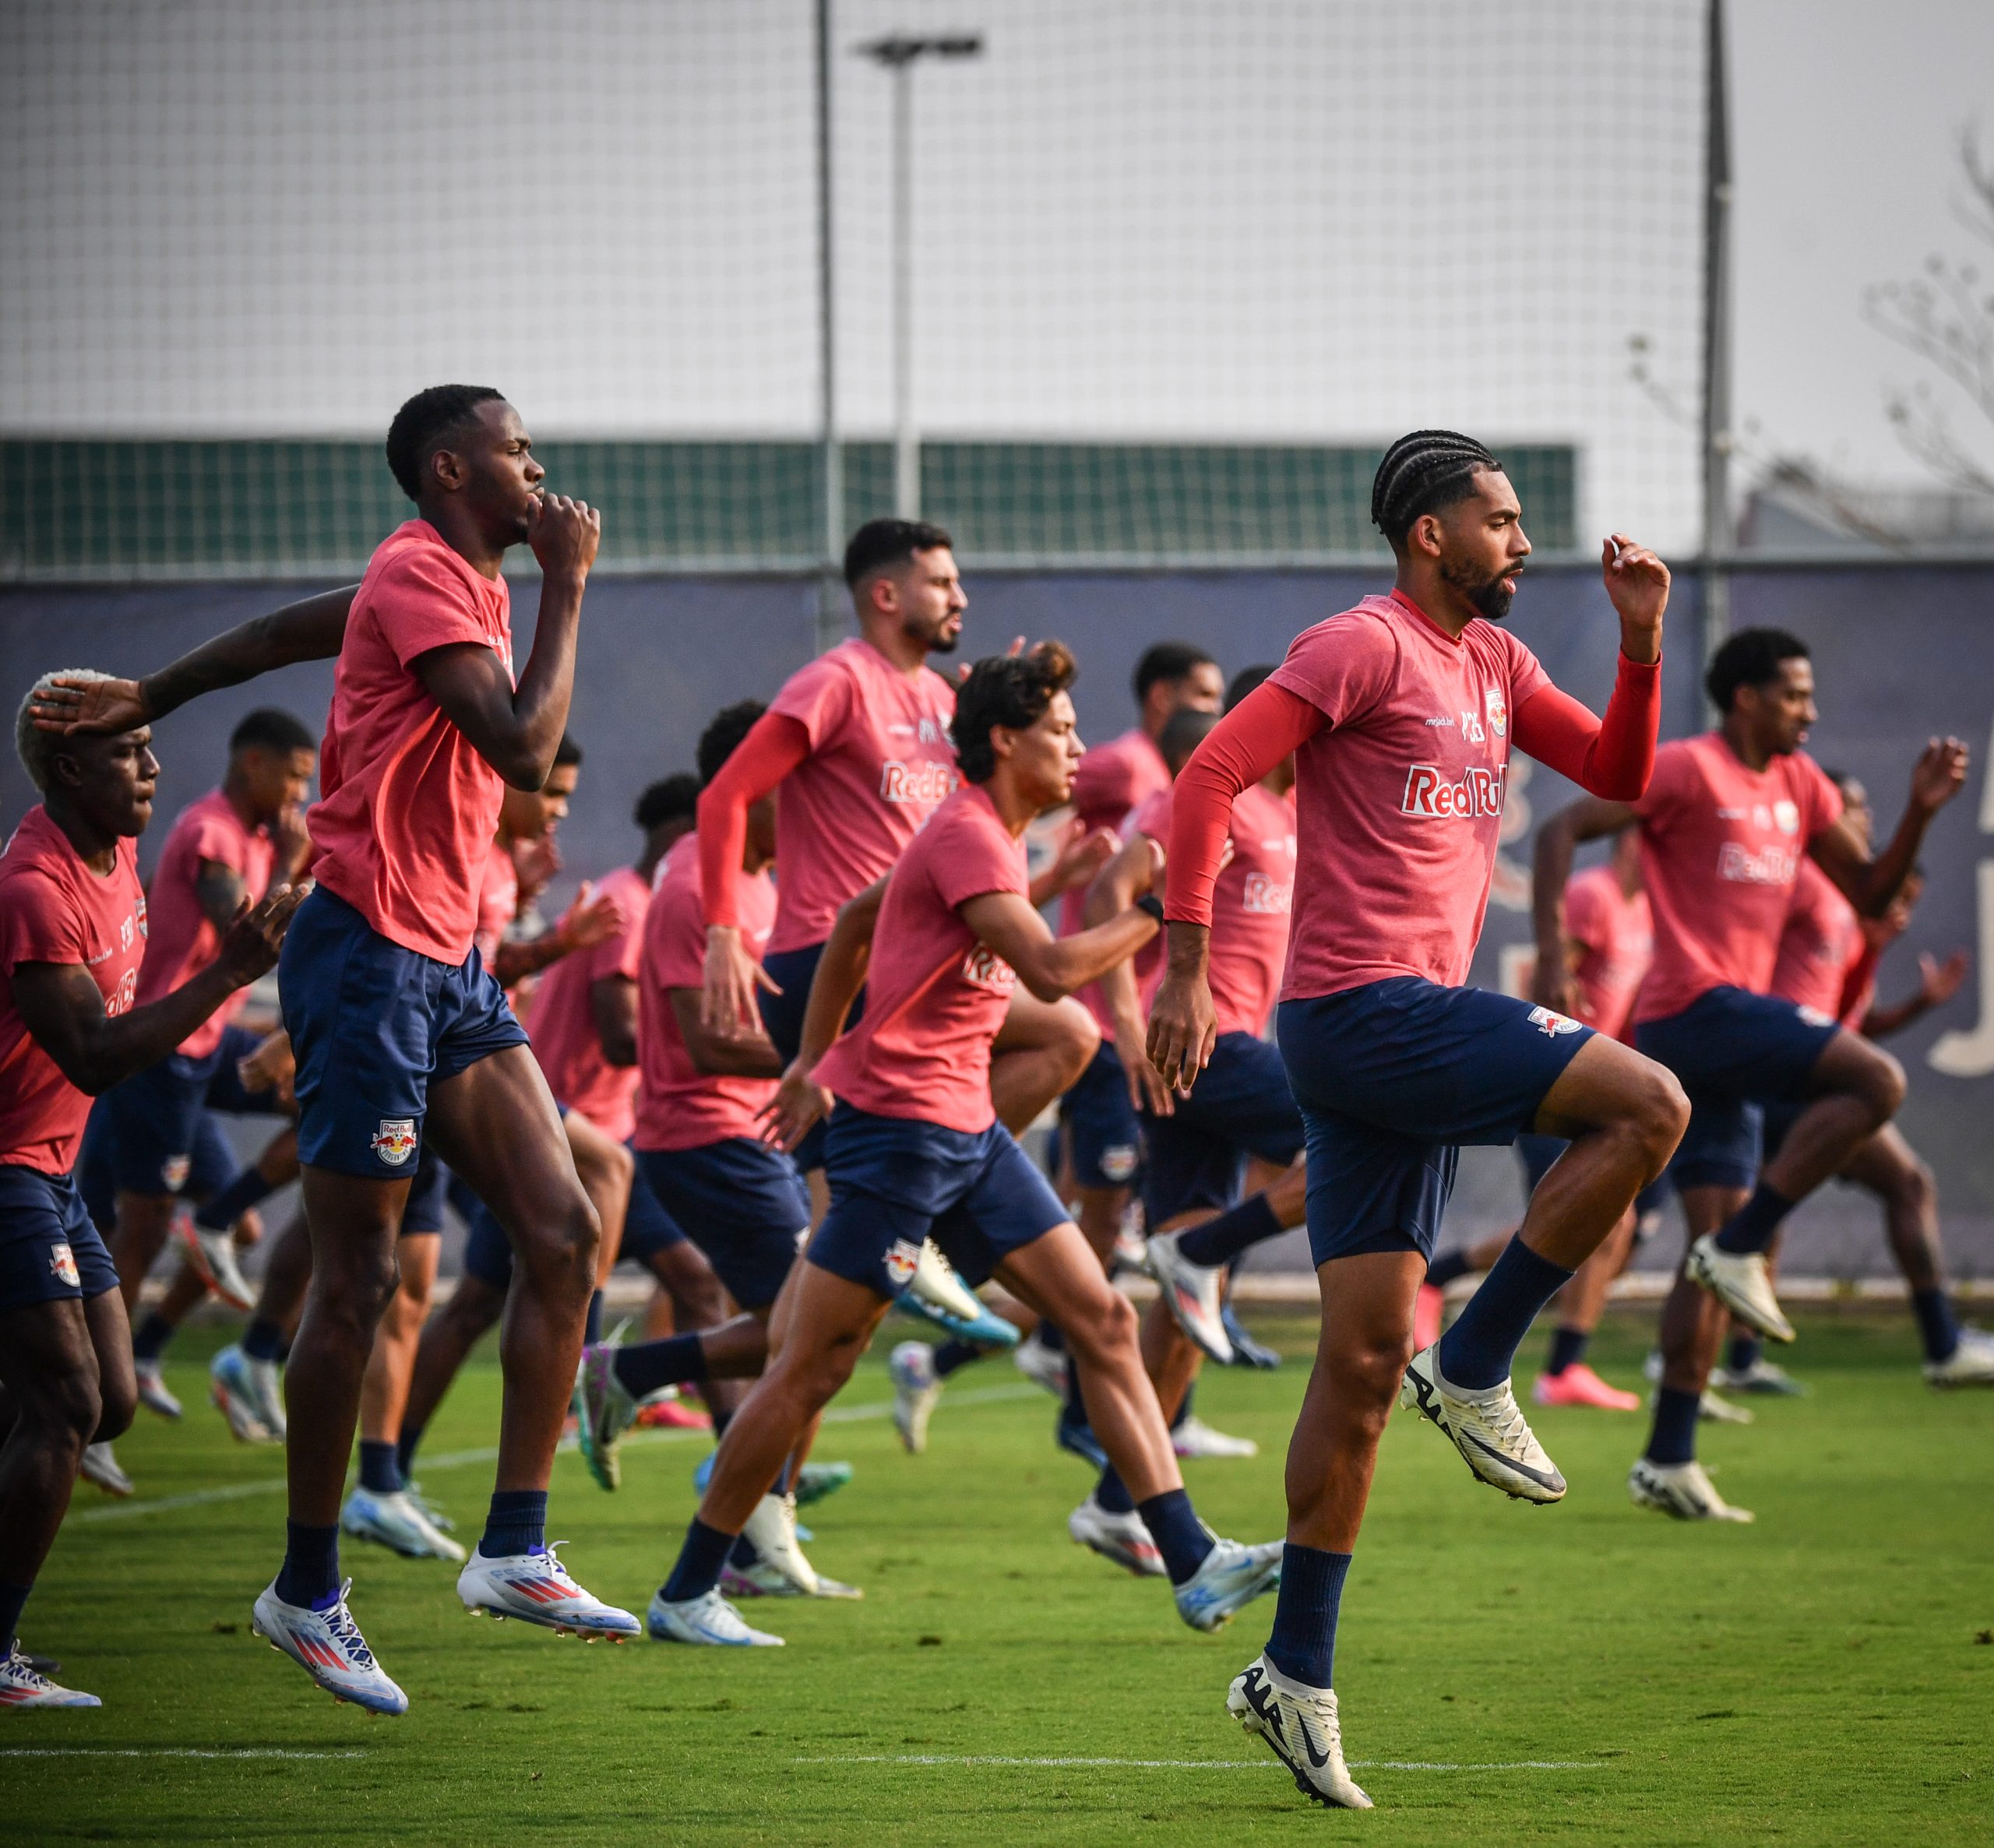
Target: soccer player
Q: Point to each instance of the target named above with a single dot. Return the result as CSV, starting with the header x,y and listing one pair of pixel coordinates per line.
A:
x,y
72,935
915,1146
1402,713
1725,824
402,1035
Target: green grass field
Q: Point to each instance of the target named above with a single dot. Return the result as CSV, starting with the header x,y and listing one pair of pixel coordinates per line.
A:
x,y
1586,1673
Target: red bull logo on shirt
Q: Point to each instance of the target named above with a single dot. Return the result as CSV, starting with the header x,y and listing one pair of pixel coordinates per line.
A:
x,y
1432,795
395,1141
1272,898
1775,866
922,784
988,970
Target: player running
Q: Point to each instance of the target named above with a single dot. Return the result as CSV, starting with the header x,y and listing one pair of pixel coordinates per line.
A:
x,y
402,1036
72,935
1402,712
915,1146
1725,824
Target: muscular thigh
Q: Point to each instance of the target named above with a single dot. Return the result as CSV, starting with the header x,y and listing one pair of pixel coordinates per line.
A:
x,y
495,1123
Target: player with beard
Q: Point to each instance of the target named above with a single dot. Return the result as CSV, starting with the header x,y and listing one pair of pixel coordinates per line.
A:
x,y
1402,713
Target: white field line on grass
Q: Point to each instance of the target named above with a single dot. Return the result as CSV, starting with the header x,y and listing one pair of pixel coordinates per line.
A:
x,y
170,1752
454,1459
936,1759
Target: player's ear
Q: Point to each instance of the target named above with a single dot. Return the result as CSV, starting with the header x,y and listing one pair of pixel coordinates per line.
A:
x,y
446,469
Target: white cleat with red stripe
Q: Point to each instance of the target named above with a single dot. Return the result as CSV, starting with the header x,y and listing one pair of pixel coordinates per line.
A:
x,y
327,1644
22,1685
535,1588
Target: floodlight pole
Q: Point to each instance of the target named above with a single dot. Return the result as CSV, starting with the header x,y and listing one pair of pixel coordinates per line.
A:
x,y
1716,433
830,590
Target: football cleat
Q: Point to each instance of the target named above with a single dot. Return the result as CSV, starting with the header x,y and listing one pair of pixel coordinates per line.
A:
x,y
397,1522
1299,1725
1487,1428
1231,1579
1763,1376
1246,1352
1043,1365
1193,1437
937,1294
669,1411
1741,1281
1713,1408
211,1257
813,1481
1682,1490
1130,1255
710,1619
249,1394
1122,1538
327,1644
22,1684
916,1391
100,1466
1971,1364
771,1531
153,1394
604,1410
759,1579
1578,1384
429,1509
1191,1293
535,1587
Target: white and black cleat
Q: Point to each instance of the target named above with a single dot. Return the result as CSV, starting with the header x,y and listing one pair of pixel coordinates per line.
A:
x,y
1487,1427
1300,1727
1124,1538
1682,1490
1743,1281
1971,1364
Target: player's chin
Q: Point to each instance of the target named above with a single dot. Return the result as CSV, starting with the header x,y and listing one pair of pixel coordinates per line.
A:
x,y
138,815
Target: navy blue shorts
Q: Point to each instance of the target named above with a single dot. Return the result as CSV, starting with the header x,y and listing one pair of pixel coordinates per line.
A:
x,y
373,1026
1734,1051
428,1193
148,1124
895,1181
211,1166
745,1205
648,1226
1393,1079
1537,1153
49,1250
487,1251
648,1229
793,970
1240,1106
1100,1125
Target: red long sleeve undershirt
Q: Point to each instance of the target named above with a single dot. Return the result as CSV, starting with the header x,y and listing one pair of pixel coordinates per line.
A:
x,y
774,746
1612,758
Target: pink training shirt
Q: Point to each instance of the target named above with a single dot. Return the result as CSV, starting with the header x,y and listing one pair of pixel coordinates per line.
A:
x,y
408,806
934,996
1722,848
678,1106
498,899
880,763
561,1022
53,909
1821,943
1251,902
1616,934
184,940
1401,795
1114,780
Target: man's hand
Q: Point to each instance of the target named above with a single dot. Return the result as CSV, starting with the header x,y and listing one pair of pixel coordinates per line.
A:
x,y
1939,775
1082,852
535,862
1183,1028
564,534
1146,1090
98,706
1637,582
250,949
272,1066
727,1002
1018,648
1939,982
292,842
594,917
800,1103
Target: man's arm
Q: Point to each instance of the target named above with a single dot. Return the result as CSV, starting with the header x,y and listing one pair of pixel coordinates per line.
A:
x,y
613,1007
1053,967
722,1055
63,1009
594,917
1937,984
1124,879
800,1100
219,891
1588,819
1870,884
1083,852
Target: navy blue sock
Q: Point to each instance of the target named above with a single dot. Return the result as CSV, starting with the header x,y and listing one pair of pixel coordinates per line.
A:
x,y
951,1355
1478,1349
1742,1355
153,1334
697,1571
1673,1440
1752,1227
1184,1406
517,1523
1050,1338
1567,1348
13,1600
1304,1644
1221,1240
405,1451
651,1364
721,1421
310,1574
380,1473
1441,1272
263,1340
1179,1535
1112,1493
1936,1323
592,1329
248,1189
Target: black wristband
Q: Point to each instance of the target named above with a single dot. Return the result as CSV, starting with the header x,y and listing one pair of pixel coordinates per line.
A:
x,y
1151,904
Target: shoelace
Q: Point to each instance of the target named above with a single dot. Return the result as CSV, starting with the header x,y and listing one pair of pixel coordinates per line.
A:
x,y
1510,1425
556,1570
345,1632
32,1679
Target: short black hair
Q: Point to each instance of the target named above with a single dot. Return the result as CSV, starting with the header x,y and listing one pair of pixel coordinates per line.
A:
x,y
426,424
1010,690
724,733
1247,681
269,728
1751,658
1183,732
669,799
1167,661
882,542
1422,472
567,751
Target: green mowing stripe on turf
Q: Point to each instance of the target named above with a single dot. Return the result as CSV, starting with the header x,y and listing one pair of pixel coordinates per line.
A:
x,y
170,1752
931,1759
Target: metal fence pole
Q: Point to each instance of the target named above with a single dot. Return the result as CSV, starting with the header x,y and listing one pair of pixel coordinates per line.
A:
x,y
830,587
1716,432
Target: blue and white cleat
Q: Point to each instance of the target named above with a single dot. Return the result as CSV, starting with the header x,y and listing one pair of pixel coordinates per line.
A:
x,y
536,1589
249,1394
710,1619
23,1685
604,1410
100,1465
327,1644
1231,1579
916,1391
397,1522
1300,1726
937,1294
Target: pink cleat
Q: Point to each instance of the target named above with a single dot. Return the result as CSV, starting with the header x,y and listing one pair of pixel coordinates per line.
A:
x,y
1427,1308
1578,1384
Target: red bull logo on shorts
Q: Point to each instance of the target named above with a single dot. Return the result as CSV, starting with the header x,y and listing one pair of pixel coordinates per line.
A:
x,y
62,1264
900,1261
1432,795
1551,1024
395,1141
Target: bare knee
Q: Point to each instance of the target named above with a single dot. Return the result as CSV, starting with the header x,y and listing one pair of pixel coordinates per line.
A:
x,y
65,1410
1103,1330
1079,1039
118,1404
1882,1085
560,1251
1364,1375
353,1293
1659,1115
